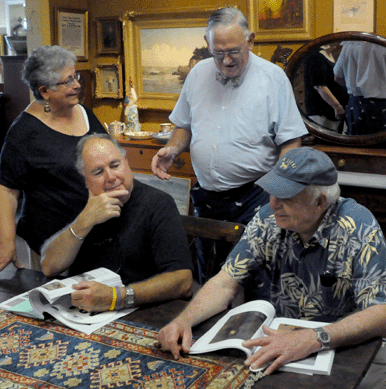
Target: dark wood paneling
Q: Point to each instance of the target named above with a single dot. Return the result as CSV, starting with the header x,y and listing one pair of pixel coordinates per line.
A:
x,y
16,92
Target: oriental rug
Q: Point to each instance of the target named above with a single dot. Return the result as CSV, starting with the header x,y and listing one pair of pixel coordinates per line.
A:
x,y
40,354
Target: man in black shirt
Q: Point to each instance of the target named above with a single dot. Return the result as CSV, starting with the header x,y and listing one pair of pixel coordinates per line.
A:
x,y
126,226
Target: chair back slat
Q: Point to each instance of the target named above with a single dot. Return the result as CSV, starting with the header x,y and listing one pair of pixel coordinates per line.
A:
x,y
211,229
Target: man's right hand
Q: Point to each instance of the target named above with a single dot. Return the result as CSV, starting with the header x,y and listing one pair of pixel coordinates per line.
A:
x,y
176,337
162,162
102,207
8,255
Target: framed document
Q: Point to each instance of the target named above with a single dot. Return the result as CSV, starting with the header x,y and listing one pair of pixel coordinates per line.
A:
x,y
72,31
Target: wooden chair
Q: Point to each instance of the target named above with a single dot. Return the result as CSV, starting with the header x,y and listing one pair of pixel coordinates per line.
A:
x,y
217,230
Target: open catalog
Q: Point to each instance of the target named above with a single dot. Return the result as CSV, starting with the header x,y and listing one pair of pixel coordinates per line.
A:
x,y
246,321
54,298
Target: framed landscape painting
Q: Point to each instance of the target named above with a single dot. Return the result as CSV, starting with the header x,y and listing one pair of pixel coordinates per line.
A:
x,y
160,51
281,20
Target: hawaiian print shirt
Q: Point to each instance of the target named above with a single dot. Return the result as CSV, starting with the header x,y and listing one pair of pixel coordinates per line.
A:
x,y
273,264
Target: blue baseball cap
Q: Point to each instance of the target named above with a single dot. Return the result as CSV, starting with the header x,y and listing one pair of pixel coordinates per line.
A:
x,y
296,170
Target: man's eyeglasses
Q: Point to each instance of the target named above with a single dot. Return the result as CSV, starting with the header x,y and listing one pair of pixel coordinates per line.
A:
x,y
234,54
70,80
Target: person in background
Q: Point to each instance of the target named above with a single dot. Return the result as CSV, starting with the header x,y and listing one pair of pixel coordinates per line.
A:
x,y
237,114
312,254
131,228
325,99
36,162
361,67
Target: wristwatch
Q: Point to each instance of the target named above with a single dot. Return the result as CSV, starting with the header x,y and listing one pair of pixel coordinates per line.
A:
x,y
323,337
129,298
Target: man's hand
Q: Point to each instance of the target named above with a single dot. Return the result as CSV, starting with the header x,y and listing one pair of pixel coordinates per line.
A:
x,y
176,337
281,347
103,207
92,296
162,162
8,255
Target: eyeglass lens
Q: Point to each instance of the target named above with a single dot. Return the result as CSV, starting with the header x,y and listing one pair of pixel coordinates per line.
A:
x,y
230,53
70,79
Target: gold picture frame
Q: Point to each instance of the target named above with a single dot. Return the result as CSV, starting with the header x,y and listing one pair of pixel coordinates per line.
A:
x,y
109,82
273,23
158,37
72,31
2,45
109,35
354,15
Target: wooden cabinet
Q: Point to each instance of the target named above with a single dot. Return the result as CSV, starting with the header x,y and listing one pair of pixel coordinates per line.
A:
x,y
16,91
366,168
355,159
140,153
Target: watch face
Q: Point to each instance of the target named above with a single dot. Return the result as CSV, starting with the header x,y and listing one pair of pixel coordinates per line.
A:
x,y
324,336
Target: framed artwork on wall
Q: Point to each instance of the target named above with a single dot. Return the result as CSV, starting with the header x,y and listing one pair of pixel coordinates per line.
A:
x,y
160,49
109,35
72,31
2,51
109,83
354,15
278,20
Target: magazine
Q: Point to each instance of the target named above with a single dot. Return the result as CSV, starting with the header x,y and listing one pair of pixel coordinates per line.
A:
x,y
54,298
246,321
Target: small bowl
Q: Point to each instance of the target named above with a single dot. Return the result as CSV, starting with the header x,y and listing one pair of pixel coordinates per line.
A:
x,y
18,44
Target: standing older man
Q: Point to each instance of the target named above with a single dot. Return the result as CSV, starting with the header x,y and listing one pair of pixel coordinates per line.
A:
x,y
126,226
312,254
237,113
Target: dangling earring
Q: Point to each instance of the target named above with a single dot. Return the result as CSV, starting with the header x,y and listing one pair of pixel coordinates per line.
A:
x,y
47,107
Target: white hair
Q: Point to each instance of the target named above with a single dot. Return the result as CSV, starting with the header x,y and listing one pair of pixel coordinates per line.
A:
x,y
332,192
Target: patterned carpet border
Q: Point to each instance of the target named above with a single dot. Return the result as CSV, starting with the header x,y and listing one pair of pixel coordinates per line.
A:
x,y
44,355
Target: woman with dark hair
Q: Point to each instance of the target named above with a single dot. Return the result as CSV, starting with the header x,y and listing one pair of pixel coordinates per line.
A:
x,y
37,158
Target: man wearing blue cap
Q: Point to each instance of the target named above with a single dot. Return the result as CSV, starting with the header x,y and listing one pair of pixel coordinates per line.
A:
x,y
312,254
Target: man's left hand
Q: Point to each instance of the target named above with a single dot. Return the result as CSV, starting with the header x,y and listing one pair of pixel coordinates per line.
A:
x,y
92,296
281,347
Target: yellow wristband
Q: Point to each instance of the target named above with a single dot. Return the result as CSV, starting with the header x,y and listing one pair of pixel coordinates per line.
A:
x,y
113,303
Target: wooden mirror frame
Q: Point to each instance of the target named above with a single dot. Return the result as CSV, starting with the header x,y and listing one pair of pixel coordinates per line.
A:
x,y
291,71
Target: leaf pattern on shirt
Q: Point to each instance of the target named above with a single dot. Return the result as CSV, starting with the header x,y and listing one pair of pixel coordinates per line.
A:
x,y
300,295
343,284
347,223
238,269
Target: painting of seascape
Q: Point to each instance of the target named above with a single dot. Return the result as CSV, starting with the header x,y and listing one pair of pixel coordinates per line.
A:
x,y
167,55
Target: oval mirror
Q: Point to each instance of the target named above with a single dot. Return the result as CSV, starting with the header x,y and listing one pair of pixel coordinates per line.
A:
x,y
318,58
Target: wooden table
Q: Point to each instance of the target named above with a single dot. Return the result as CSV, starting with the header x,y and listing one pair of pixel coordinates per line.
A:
x,y
350,364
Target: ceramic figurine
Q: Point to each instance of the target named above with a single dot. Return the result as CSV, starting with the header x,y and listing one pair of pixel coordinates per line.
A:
x,y
131,111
